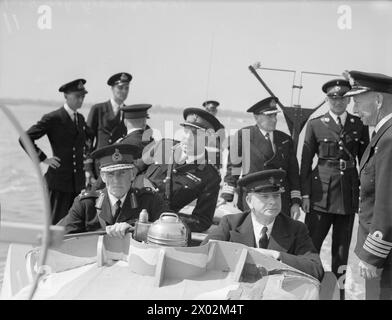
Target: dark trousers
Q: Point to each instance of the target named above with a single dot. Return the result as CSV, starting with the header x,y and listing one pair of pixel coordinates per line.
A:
x,y
319,224
60,203
380,288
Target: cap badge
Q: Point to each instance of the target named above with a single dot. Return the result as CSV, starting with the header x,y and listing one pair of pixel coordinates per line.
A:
x,y
272,180
350,79
326,119
80,85
123,77
273,103
116,156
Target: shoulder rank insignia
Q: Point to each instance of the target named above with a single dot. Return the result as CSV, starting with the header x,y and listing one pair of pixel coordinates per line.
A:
x,y
88,194
325,119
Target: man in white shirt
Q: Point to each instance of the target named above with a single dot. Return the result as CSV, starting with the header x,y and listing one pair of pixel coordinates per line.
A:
x,y
372,93
265,227
106,121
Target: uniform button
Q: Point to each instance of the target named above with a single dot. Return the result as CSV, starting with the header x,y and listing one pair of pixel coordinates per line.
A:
x,y
325,140
74,163
341,172
110,141
186,187
74,170
174,170
73,156
73,149
359,198
340,148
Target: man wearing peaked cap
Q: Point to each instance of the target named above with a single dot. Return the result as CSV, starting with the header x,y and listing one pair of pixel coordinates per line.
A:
x,y
330,191
105,120
211,106
68,134
138,132
263,226
193,173
372,94
260,147
117,206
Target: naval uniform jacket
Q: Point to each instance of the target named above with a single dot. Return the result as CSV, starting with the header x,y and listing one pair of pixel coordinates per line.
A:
x,y
330,189
374,240
251,158
68,143
289,237
92,211
106,128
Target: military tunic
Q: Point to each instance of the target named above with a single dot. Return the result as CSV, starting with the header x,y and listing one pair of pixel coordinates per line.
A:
x,y
333,185
91,211
251,157
68,143
194,181
106,127
374,240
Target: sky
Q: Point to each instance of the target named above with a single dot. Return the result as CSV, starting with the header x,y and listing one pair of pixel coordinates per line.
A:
x,y
181,53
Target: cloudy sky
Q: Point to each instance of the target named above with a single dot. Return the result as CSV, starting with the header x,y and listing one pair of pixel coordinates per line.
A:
x,y
181,53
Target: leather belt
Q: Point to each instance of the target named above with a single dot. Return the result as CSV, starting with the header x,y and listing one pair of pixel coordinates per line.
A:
x,y
338,164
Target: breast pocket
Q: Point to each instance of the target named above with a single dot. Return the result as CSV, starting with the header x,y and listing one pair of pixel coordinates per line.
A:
x,y
320,189
328,148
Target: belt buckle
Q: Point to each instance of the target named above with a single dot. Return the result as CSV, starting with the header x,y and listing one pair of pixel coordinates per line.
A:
x,y
342,164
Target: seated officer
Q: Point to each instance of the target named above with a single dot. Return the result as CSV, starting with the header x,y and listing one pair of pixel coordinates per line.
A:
x,y
118,205
265,227
191,170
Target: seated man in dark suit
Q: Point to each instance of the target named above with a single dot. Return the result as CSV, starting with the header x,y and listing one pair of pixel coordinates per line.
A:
x,y
265,227
117,206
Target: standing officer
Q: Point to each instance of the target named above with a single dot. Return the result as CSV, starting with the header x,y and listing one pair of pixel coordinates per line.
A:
x,y
135,120
67,133
330,191
105,120
117,206
261,147
211,106
373,103
186,172
277,235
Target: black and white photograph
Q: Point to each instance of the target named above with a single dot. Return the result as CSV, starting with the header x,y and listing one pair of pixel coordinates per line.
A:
x,y
195,151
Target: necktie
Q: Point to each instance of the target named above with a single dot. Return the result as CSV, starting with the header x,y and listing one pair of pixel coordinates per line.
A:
x,y
117,210
263,242
340,123
269,152
75,119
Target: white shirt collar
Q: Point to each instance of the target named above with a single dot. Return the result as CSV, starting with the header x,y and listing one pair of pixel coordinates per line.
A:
x,y
115,106
257,226
113,201
343,117
69,111
132,130
382,121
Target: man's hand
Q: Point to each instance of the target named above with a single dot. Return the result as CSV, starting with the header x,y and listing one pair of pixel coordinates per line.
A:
x,y
306,204
367,271
53,162
118,230
295,211
90,180
270,253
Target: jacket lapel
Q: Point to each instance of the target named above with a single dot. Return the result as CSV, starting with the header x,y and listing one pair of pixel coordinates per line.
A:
x,y
244,233
67,121
280,238
105,213
373,143
331,123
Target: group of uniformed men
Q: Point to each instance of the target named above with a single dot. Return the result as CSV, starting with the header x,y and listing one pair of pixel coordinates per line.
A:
x,y
115,154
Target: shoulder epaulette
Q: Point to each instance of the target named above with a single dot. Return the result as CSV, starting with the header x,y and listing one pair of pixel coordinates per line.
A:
x,y
89,194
